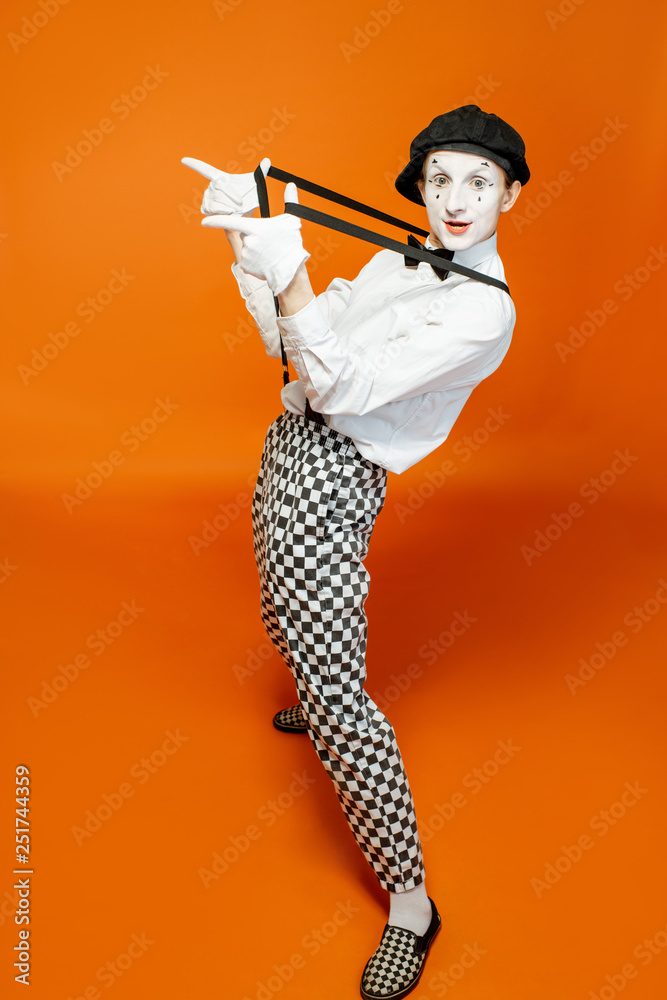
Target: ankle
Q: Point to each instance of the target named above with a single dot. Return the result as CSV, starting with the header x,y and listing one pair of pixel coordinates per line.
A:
x,y
410,909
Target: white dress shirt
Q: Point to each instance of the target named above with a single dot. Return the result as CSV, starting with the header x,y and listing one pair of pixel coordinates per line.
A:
x,y
390,358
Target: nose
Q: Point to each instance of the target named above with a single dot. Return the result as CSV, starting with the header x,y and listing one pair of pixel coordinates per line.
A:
x,y
455,200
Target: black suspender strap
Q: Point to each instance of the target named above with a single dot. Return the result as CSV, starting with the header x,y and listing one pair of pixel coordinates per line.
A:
x,y
330,222
265,212
312,215
341,199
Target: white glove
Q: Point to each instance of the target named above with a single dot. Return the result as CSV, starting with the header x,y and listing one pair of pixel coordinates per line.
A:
x,y
272,248
227,194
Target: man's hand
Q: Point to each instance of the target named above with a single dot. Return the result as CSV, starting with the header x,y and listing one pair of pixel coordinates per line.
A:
x,y
227,194
272,248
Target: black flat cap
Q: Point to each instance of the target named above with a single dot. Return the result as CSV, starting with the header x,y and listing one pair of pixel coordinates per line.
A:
x,y
469,130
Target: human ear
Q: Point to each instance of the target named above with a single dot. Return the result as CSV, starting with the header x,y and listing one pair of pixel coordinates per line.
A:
x,y
510,196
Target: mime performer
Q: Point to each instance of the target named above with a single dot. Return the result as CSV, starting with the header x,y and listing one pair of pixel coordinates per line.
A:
x,y
385,363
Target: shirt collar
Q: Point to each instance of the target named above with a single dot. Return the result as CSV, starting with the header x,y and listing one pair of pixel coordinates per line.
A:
x,y
474,255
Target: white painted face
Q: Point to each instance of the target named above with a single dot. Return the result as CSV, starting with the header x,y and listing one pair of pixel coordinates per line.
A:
x,y
464,188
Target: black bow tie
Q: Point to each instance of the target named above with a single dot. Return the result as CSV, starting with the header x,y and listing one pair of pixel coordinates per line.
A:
x,y
445,254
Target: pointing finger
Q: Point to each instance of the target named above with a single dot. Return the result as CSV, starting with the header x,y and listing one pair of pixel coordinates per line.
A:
x,y
291,194
205,169
239,223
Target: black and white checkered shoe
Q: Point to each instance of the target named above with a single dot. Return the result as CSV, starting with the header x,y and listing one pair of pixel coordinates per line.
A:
x,y
290,720
394,969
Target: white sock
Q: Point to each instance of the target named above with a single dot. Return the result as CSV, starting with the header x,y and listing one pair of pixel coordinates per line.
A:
x,y
410,909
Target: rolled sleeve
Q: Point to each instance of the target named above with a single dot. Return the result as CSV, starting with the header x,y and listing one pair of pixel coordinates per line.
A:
x,y
260,304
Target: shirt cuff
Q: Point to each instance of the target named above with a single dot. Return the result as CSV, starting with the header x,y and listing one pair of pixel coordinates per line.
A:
x,y
306,325
247,283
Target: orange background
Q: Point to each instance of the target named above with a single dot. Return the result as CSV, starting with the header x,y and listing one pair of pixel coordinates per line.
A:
x,y
351,92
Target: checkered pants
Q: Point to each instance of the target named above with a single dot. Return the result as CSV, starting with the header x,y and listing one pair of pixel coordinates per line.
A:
x,y
314,508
